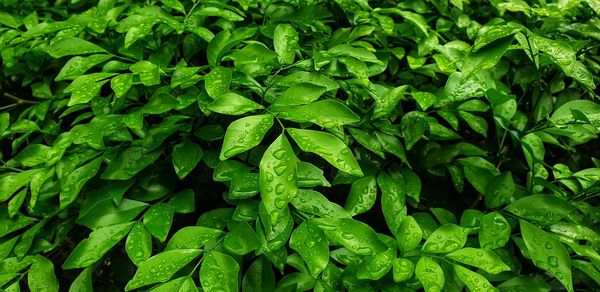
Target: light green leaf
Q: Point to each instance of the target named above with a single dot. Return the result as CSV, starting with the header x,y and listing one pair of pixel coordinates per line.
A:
x,y
367,140
192,237
174,4
74,182
363,194
73,46
299,94
120,84
565,113
233,104
386,103
78,65
285,41
241,238
430,274
413,125
393,201
354,235
259,276
485,58
182,284
325,113
474,281
374,267
83,282
158,220
219,272
477,123
494,231
424,99
409,234
138,244
543,209
313,202
310,242
391,144
313,78
129,162
310,175
40,276
481,258
402,269
85,87
186,156
499,190
217,82
329,147
245,134
161,267
447,238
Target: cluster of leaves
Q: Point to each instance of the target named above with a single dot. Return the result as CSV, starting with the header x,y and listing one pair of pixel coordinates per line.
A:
x,y
263,145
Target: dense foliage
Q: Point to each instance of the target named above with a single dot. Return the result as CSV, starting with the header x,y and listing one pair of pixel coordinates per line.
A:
x,y
263,145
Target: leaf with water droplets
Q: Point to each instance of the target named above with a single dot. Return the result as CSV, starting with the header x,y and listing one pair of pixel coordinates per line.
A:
x,y
241,238
285,42
547,253
85,87
485,58
129,162
327,146
73,46
12,182
325,113
100,241
186,156
313,78
393,201
430,274
148,72
217,82
477,123
413,125
72,184
277,171
310,242
447,238
299,94
402,269
363,194
244,134
367,140
354,235
83,282
259,276
543,209
310,175
386,102
40,276
78,65
182,284
192,237
275,234
409,234
161,267
158,220
391,144
219,272
499,190
233,104
481,258
494,231
474,281
374,267
313,202
138,244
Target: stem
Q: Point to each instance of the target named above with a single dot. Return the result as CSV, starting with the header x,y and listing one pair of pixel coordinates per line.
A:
x,y
19,100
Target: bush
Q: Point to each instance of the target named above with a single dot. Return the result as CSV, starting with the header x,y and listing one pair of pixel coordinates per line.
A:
x,y
299,145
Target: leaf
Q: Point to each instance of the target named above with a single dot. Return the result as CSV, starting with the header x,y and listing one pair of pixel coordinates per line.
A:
x,y
387,102
78,65
100,212
285,41
183,202
413,125
83,282
430,274
447,238
313,202
241,238
100,241
186,156
310,242
180,284
474,281
9,225
85,87
73,46
525,282
588,269
566,113
409,234
417,19
277,171
481,258
161,267
544,209
310,175
233,104
148,72
192,237
393,201
325,113
299,94
174,4
478,124
245,134
354,235
40,276
217,82
358,69
485,58
158,220
328,147
495,32
138,244
313,78
129,162
424,99
391,144
499,190
259,276
219,272
547,253
74,182
363,194
368,141
402,269
494,231
121,84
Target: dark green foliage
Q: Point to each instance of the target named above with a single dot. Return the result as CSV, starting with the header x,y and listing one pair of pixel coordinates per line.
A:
x,y
288,145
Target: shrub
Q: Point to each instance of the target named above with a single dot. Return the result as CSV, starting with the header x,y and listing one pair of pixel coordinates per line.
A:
x,y
290,145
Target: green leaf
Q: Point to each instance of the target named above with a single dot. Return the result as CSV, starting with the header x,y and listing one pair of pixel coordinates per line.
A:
x,y
547,253
102,211
478,124
259,276
393,201
424,99
78,65
494,231
121,84
138,244
299,94
177,285
83,282
363,194
233,104
417,19
474,281
40,276
148,72
241,238
186,156
533,284
499,190
310,175
588,269
158,220
387,102
9,225
368,141
313,202
358,69
245,134
85,87
192,237
543,209
354,235
566,113
374,267
409,234
329,147
310,242
174,4
485,58
402,269
99,242
325,113
161,267
183,202
430,274
391,144
278,176
285,41
313,78
217,82
74,182
447,238
481,258
413,125
219,272
73,46
129,162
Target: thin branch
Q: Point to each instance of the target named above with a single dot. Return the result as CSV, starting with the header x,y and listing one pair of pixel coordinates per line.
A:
x,y
19,100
